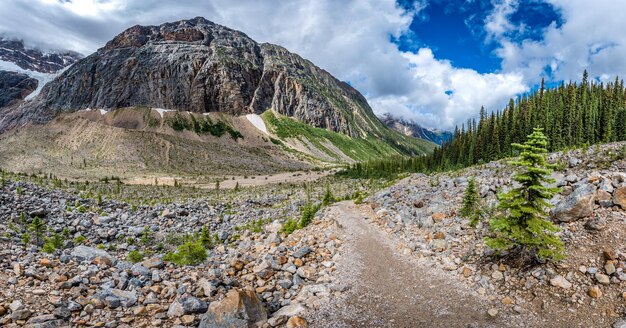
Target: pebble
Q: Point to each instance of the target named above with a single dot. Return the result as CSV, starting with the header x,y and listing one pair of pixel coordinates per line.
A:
x,y
602,278
560,281
594,292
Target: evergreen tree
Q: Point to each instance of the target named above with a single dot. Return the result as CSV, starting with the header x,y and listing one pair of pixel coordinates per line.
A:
x,y
37,227
328,197
471,209
524,221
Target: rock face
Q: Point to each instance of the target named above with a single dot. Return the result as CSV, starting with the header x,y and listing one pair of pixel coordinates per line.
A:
x,y
577,205
35,60
196,65
15,86
240,308
412,129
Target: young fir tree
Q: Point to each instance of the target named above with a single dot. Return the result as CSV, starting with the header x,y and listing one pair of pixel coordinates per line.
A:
x,y
328,197
38,228
470,209
524,221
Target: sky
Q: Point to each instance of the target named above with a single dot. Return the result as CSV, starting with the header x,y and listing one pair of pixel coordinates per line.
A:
x,y
433,61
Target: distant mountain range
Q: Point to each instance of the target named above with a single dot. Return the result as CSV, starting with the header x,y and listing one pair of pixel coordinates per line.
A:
x,y
413,129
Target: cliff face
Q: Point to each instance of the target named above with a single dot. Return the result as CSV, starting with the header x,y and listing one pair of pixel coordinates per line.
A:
x,y
196,65
14,87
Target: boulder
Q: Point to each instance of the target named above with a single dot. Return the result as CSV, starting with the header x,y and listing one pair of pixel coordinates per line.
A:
x,y
577,205
619,197
604,198
240,308
84,253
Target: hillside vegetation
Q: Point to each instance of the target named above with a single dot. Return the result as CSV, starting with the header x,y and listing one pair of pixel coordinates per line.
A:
x,y
572,115
341,147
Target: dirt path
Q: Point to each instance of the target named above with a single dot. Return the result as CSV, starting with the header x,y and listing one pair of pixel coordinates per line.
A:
x,y
386,290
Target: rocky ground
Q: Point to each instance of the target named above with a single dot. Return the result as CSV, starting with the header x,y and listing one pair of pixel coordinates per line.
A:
x,y
587,289
404,258
254,273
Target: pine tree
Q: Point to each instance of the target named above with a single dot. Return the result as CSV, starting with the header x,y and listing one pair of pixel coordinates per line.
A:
x,y
471,209
524,221
328,197
37,227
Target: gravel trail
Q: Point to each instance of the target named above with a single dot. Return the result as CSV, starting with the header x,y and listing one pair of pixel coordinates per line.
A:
x,y
385,290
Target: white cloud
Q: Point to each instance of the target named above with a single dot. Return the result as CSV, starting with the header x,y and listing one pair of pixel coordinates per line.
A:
x,y
497,22
428,101
350,39
591,37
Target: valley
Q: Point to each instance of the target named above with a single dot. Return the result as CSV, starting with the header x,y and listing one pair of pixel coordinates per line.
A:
x,y
187,175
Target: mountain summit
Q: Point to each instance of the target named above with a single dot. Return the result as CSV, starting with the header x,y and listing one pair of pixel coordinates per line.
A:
x,y
196,65
194,81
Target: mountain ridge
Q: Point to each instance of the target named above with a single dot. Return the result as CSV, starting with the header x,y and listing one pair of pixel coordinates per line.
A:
x,y
413,129
220,70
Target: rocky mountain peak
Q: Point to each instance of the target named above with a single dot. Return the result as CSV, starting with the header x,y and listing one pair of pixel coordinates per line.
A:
x,y
14,51
198,66
197,30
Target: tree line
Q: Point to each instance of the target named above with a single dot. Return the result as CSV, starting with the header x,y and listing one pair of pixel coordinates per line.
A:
x,y
572,115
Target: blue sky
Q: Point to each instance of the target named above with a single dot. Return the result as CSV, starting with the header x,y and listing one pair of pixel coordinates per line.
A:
x,y
434,61
453,30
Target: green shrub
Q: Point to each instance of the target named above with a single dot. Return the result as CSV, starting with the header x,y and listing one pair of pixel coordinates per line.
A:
x,y
80,240
289,226
189,253
56,241
147,236
48,248
359,198
207,239
135,256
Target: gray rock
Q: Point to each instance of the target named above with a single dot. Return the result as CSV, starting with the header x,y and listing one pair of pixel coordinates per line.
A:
x,y
62,312
191,304
21,314
127,298
84,253
240,308
112,302
560,281
577,205
302,252
620,324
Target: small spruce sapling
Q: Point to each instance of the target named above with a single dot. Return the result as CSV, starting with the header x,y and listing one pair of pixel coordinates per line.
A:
x,y
38,228
328,197
524,222
471,203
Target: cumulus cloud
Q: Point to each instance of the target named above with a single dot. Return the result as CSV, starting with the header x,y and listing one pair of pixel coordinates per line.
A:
x,y
591,37
444,96
351,39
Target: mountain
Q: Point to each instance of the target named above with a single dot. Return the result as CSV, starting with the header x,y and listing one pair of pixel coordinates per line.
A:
x,y
195,80
24,71
15,86
412,129
35,60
